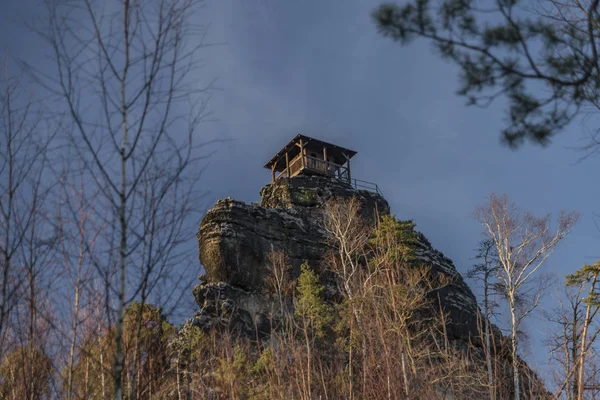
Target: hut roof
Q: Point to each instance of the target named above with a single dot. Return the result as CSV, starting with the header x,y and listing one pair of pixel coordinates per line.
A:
x,y
333,150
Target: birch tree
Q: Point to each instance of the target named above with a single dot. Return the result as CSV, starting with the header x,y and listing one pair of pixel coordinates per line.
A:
x,y
349,234
523,243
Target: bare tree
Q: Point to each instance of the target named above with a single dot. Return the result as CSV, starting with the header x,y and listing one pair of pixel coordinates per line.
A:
x,y
485,271
75,221
350,234
579,331
563,341
124,73
278,280
523,243
26,235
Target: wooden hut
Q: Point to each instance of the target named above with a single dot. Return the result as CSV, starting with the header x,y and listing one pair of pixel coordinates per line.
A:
x,y
307,156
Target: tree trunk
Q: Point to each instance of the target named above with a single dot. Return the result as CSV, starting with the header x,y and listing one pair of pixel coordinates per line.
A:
x,y
122,216
405,376
488,346
582,352
179,397
574,358
102,380
73,340
308,364
515,359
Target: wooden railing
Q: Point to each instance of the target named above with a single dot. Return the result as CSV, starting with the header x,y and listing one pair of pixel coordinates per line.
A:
x,y
329,168
295,166
364,185
320,165
314,164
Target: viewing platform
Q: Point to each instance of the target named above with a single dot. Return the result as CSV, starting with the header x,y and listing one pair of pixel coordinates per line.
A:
x,y
308,156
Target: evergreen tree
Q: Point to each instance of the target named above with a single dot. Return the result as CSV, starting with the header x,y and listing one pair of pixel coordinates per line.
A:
x,y
505,50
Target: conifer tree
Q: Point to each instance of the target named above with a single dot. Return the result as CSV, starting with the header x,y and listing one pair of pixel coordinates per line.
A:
x,y
312,314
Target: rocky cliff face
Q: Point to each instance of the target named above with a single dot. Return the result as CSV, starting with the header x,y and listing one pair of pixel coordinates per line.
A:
x,y
235,238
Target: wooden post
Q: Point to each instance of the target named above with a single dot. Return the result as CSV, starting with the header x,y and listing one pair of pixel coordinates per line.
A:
x,y
325,159
273,172
301,153
348,169
287,164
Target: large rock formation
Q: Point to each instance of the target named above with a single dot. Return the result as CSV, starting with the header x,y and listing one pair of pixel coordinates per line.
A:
x,y
235,238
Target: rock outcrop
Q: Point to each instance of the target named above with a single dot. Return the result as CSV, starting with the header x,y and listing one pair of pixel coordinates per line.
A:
x,y
235,238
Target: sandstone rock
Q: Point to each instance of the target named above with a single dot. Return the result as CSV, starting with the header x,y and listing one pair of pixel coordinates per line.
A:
x,y
222,305
314,191
235,238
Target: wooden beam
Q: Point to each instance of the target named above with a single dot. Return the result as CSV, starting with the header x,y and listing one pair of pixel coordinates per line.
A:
x,y
287,164
349,176
348,168
301,153
273,172
325,159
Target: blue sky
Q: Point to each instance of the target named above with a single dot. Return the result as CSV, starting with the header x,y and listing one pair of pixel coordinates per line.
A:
x,y
320,68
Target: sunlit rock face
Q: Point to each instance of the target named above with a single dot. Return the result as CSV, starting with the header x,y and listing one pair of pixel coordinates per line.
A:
x,y
235,238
